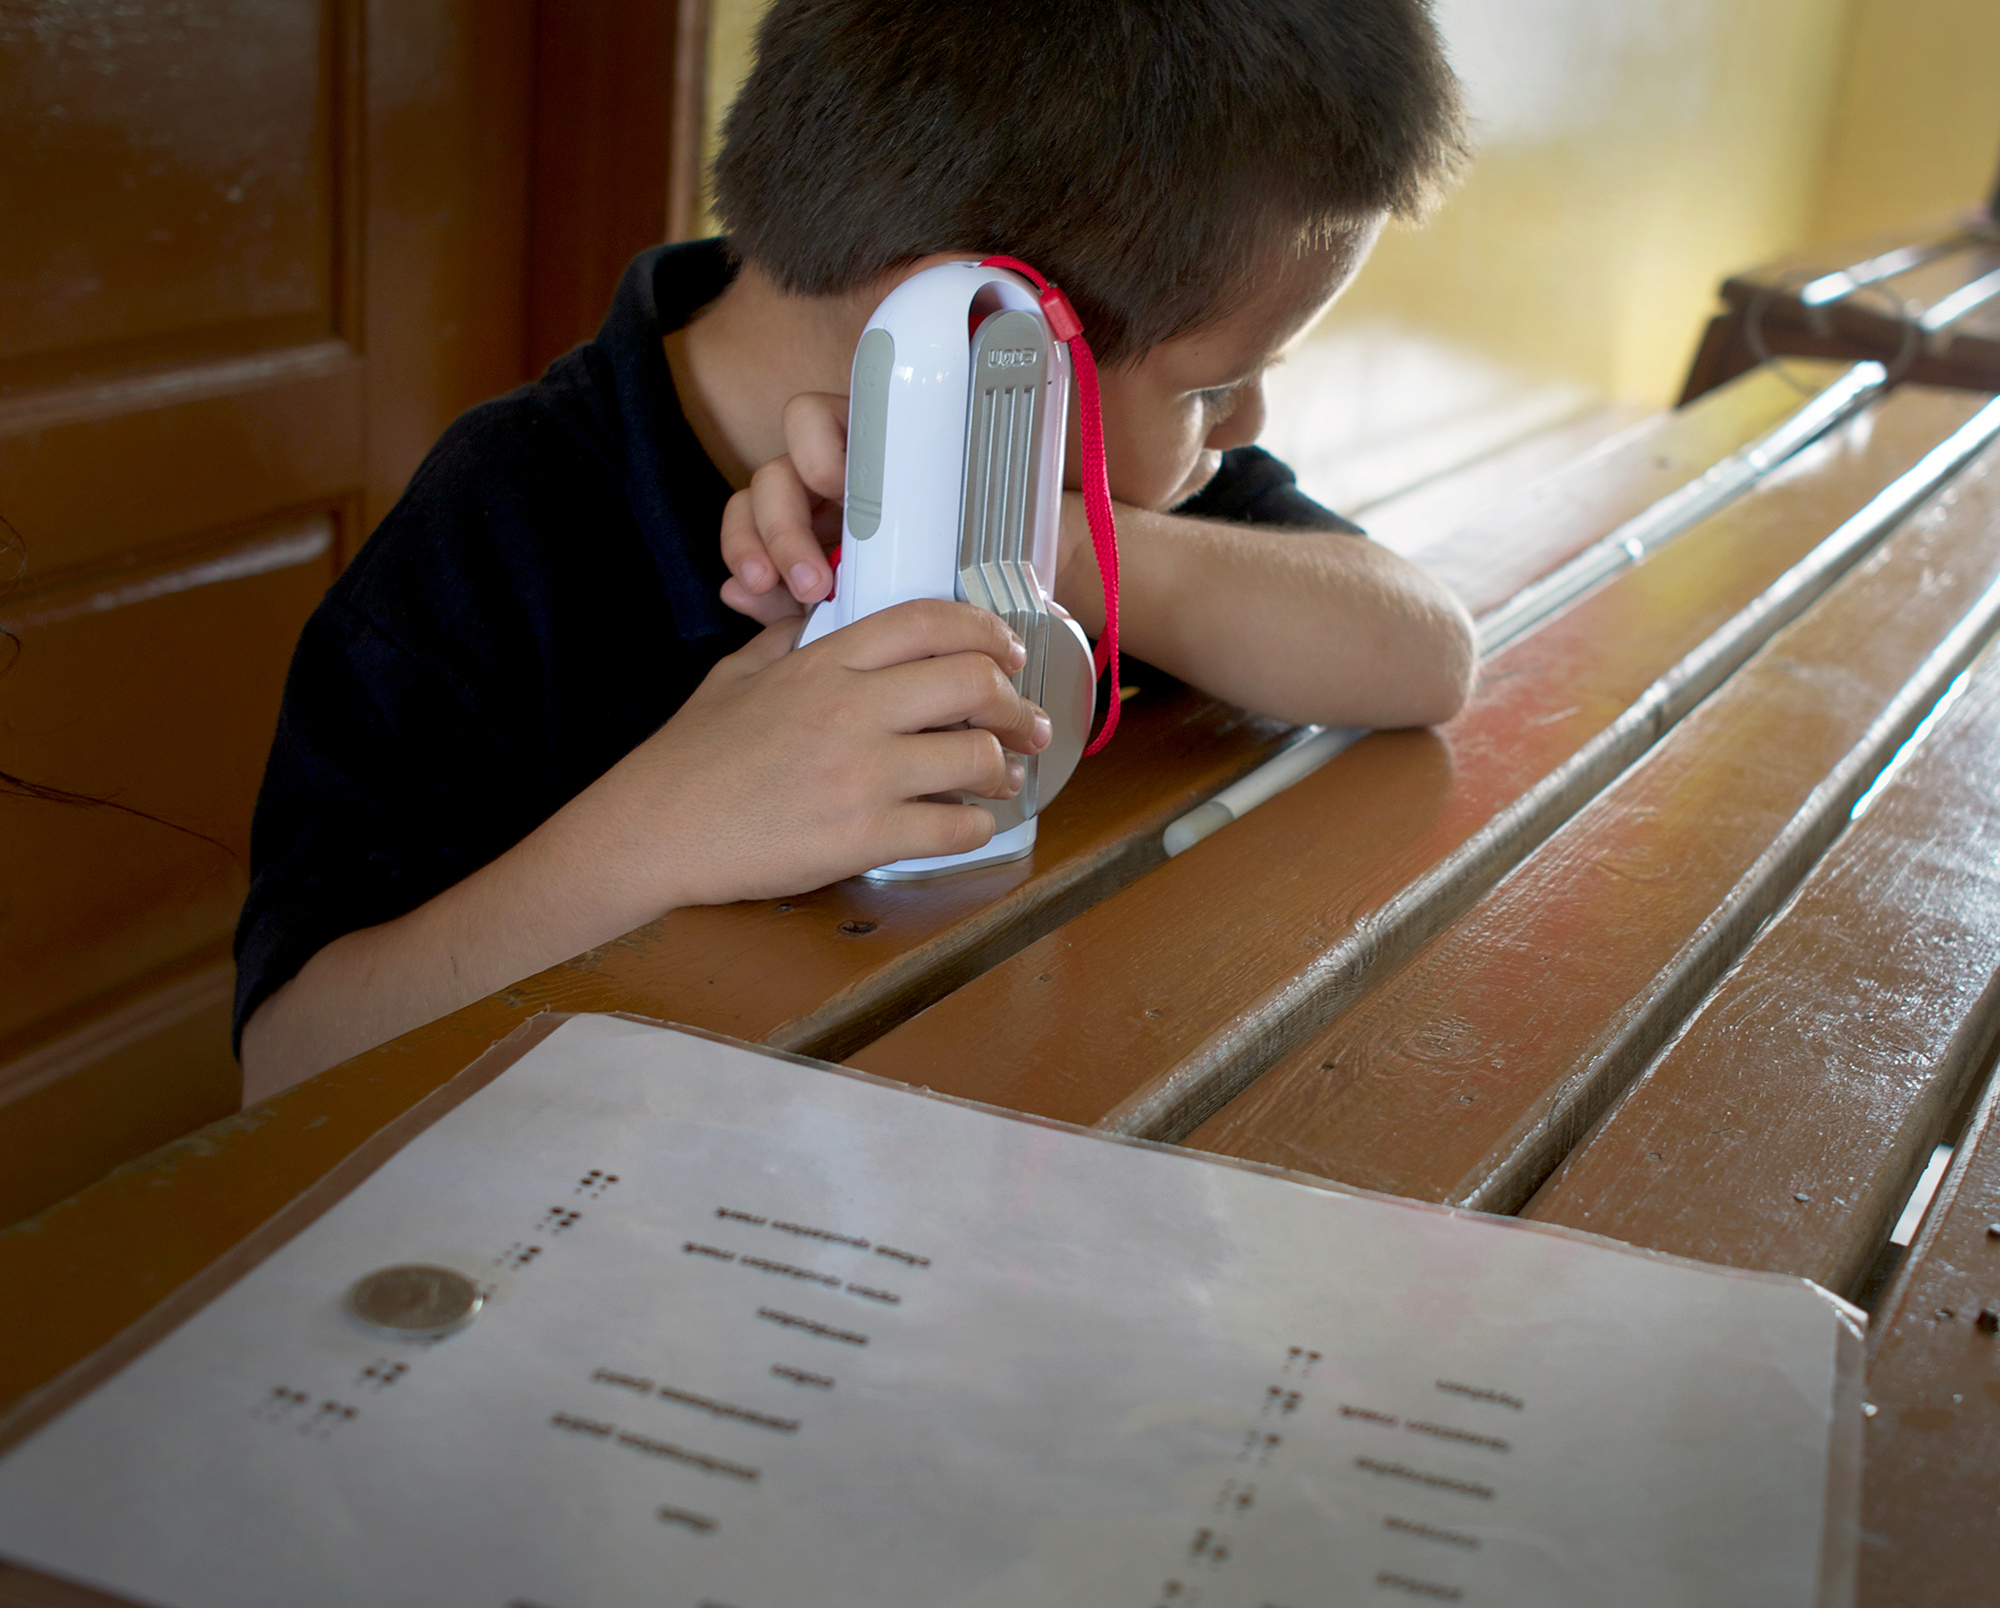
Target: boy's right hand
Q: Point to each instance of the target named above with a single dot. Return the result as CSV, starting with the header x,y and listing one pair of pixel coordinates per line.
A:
x,y
777,533
787,770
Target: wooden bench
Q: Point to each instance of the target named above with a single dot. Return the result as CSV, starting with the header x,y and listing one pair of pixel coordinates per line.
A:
x,y
1434,964
1924,299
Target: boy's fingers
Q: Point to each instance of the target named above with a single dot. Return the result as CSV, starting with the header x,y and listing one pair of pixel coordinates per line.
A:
x,y
922,829
763,607
816,441
743,549
957,761
966,688
784,518
926,629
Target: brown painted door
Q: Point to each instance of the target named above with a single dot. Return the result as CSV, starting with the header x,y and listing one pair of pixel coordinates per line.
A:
x,y
254,255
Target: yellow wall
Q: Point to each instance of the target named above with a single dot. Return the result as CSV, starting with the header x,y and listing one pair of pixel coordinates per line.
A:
x,y
1917,127
1630,154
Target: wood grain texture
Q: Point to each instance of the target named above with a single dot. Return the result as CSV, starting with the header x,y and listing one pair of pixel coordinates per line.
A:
x,y
784,971
96,474
1151,1010
169,177
604,122
447,122
1486,547
1938,256
826,971
1785,1126
1930,1495
97,1262
139,1069
257,257
1468,1075
789,976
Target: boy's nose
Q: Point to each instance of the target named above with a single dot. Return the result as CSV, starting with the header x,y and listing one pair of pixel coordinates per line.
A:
x,y
1244,422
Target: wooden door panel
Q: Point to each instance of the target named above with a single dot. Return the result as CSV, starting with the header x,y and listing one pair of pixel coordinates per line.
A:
x,y
178,164
160,691
448,113
258,254
100,475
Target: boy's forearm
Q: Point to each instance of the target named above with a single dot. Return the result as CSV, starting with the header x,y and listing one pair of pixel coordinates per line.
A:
x,y
784,771
534,906
1295,624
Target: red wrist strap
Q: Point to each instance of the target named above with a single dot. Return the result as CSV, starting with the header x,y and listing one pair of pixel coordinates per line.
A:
x,y
1068,328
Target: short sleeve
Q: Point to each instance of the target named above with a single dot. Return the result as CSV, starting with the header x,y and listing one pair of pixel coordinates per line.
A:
x,y
1254,488
384,787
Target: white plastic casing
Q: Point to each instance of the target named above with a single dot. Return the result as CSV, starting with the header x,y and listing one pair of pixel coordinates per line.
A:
x,y
914,551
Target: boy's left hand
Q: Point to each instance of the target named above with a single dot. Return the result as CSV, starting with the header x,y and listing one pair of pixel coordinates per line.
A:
x,y
776,534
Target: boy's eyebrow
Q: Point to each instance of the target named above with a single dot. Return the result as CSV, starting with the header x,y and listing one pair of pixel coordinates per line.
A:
x,y
1262,365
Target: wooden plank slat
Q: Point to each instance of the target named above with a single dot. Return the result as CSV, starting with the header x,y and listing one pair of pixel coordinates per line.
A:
x,y
1407,520
1930,1495
1868,258
826,971
1865,311
1467,1076
1785,1126
1842,302
1148,1012
781,971
1492,548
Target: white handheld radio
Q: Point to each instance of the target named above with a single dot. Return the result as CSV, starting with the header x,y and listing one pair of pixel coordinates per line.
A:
x,y
957,412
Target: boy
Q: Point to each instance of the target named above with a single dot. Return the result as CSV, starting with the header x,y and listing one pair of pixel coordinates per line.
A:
x,y
537,711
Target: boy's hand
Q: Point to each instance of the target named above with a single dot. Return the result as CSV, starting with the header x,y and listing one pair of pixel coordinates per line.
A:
x,y
776,535
789,769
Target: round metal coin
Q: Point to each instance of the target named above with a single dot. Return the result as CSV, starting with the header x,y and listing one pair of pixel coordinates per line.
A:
x,y
415,1301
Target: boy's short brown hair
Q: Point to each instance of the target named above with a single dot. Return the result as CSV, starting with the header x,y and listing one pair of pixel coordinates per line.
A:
x,y
1144,154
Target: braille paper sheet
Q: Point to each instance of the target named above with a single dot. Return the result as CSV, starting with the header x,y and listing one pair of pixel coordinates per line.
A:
x,y
764,1335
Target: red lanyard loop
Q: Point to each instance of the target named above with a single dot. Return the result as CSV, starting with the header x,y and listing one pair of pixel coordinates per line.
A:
x,y
1068,328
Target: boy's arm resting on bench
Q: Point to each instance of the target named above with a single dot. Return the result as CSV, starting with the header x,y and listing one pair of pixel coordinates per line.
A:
x,y
1298,624
785,771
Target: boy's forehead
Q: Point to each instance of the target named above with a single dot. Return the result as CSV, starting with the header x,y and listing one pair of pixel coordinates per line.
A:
x,y
1290,288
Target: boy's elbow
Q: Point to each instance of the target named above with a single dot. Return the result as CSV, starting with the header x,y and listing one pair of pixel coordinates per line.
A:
x,y
1443,668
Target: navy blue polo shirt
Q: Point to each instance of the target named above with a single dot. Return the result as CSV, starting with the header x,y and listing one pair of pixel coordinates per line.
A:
x,y
541,599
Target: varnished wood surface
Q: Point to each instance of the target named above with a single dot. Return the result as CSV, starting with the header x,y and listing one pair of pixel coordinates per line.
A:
x,y
103,1259
1900,276
1468,1075
820,973
1930,1500
759,971
605,124
1486,548
829,970
242,291
1785,1127
1149,1011
1874,312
